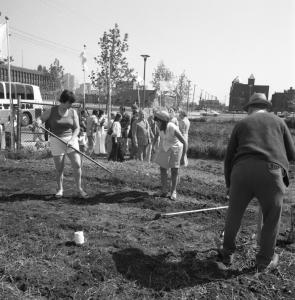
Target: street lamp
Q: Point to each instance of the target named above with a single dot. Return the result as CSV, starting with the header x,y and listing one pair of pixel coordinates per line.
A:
x,y
145,56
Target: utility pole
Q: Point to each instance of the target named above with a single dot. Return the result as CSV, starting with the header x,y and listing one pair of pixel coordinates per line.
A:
x,y
145,56
194,94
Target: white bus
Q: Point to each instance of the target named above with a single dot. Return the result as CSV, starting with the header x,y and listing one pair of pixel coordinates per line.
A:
x,y
28,92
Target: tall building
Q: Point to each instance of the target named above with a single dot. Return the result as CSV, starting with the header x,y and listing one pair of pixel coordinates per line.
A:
x,y
240,93
69,82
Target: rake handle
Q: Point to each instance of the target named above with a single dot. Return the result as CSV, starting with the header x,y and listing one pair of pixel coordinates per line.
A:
x,y
78,151
192,211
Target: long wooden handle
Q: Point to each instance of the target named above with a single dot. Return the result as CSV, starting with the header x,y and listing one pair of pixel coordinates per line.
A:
x,y
193,211
78,151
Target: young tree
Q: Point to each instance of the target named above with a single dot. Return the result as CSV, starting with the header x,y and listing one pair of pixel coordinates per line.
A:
x,y
112,62
182,89
161,74
56,70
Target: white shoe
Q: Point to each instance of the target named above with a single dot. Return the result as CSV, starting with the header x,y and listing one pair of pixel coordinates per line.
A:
x,y
59,194
173,196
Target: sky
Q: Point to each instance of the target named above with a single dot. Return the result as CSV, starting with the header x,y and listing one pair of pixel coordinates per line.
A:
x,y
212,41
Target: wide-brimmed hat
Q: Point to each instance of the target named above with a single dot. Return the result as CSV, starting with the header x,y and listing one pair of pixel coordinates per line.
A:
x,y
162,115
258,98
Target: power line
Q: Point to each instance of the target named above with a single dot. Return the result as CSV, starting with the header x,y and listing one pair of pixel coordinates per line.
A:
x,y
44,42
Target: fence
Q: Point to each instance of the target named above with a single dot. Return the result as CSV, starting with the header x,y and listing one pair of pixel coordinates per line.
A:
x,y
28,136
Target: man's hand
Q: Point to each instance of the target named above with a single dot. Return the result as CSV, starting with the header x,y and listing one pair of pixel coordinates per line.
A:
x,y
227,193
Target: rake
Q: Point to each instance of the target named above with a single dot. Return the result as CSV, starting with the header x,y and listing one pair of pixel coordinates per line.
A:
x,y
115,180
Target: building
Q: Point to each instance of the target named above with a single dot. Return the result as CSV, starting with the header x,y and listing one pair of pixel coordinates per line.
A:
x,y
284,101
69,82
240,93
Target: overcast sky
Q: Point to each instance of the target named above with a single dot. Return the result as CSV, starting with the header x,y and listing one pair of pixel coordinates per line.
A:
x,y
213,41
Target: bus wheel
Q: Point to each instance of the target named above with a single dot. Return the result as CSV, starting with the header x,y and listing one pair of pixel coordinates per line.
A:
x,y
26,119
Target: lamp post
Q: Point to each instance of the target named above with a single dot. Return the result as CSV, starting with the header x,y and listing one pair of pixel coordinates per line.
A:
x,y
145,56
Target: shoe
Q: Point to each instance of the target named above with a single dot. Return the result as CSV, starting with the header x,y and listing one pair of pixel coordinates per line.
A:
x,y
173,196
267,267
59,194
225,257
83,195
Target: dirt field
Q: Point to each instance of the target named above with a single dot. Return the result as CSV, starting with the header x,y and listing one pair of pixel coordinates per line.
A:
x,y
128,254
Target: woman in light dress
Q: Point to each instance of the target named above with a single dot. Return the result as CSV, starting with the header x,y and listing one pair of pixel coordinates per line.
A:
x,y
184,125
99,147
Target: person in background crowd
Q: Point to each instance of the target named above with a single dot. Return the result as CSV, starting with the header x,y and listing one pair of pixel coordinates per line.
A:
x,y
171,152
108,141
83,119
91,127
1,136
99,147
133,149
153,146
7,129
63,121
142,136
256,165
184,125
116,153
125,125
172,115
82,138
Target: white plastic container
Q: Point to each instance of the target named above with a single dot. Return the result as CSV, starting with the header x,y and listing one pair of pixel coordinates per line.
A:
x,y
79,238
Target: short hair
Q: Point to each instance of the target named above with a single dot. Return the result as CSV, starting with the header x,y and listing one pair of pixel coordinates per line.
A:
x,y
118,117
100,112
67,96
94,112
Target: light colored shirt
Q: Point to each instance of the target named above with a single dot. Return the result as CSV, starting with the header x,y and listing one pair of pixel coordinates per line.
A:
x,y
168,139
117,129
91,122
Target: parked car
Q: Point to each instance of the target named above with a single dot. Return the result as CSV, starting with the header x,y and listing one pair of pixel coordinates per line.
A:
x,y
211,113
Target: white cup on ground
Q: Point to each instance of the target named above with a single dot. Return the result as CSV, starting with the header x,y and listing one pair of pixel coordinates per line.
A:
x,y
79,238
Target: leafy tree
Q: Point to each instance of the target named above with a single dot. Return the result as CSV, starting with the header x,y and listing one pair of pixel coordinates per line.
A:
x,y
161,74
112,63
182,89
56,71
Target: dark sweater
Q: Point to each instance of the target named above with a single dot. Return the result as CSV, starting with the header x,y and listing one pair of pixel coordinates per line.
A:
x,y
263,136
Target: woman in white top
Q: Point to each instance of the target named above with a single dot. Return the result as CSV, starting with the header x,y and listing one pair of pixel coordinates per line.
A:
x,y
171,152
116,153
184,125
99,147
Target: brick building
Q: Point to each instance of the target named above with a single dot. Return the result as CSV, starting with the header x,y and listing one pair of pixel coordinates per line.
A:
x,y
240,93
284,101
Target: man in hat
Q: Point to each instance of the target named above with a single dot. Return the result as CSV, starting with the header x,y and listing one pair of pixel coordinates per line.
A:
x,y
256,165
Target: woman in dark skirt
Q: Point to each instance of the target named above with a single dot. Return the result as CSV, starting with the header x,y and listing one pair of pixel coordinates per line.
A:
x,y
117,152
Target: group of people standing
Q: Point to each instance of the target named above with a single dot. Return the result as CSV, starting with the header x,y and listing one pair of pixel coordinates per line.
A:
x,y
256,161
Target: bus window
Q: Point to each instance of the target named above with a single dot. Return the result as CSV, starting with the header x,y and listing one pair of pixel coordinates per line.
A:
x,y
23,106
20,90
29,92
12,90
6,106
1,91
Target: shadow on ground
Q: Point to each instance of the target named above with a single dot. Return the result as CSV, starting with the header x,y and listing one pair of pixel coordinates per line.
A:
x,y
164,272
